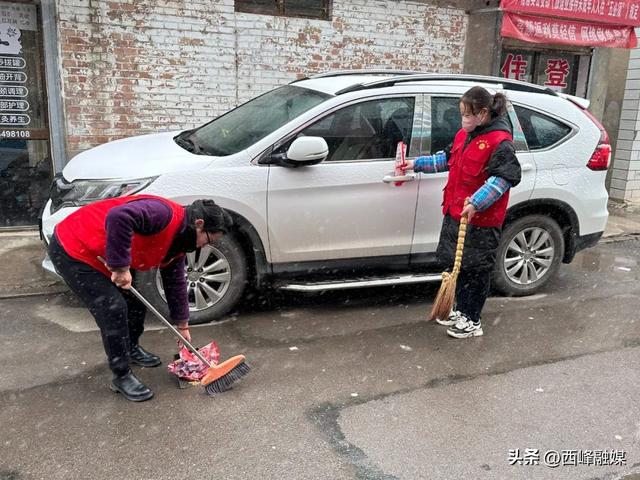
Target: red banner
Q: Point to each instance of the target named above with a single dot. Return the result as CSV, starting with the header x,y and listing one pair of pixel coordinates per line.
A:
x,y
617,12
566,32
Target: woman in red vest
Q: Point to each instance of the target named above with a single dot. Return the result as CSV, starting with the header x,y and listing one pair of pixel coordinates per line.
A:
x,y
132,233
482,168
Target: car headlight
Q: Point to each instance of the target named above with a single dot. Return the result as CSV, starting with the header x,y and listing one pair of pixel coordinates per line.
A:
x,y
83,192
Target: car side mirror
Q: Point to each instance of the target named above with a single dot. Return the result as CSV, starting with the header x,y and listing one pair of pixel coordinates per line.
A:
x,y
308,149
304,151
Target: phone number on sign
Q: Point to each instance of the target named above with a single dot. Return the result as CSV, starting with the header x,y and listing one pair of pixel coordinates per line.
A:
x,y
15,134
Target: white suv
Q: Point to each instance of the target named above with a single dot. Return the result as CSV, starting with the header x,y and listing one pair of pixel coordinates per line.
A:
x,y
307,172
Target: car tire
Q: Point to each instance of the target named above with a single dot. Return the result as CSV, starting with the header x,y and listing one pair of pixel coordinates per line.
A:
x,y
211,294
529,255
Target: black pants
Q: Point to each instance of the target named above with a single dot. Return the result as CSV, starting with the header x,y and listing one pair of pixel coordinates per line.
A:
x,y
478,261
472,290
119,315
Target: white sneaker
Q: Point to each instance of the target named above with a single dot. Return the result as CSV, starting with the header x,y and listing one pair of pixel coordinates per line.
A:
x,y
465,328
452,319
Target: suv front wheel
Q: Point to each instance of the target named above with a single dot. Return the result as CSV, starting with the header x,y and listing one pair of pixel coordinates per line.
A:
x,y
216,278
529,255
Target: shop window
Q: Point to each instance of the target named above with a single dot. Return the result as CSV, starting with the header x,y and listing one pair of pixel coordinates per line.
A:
x,y
25,160
319,9
540,130
563,72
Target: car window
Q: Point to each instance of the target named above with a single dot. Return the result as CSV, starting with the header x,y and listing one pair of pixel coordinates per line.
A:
x,y
252,121
445,121
519,139
367,130
541,131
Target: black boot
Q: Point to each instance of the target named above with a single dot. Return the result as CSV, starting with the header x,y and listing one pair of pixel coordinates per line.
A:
x,y
139,356
132,388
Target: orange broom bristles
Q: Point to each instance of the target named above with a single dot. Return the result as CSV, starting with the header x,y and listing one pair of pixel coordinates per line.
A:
x,y
443,303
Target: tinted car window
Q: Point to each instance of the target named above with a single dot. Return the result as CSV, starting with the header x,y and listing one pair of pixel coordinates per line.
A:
x,y
252,121
367,130
540,130
445,121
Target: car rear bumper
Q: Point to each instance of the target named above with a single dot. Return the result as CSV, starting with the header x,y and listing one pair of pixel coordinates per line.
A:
x,y
580,242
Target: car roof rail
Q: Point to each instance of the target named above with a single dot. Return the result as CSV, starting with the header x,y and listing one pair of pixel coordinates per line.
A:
x,y
341,73
505,83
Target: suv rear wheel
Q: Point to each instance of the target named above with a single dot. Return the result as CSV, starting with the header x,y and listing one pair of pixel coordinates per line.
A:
x,y
216,278
529,255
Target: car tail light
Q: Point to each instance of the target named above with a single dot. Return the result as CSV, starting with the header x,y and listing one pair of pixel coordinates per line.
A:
x,y
600,158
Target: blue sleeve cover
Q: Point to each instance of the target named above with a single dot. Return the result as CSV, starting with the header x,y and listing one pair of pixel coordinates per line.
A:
x,y
489,193
431,163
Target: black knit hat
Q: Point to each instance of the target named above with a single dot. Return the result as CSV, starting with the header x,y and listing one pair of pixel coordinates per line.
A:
x,y
216,219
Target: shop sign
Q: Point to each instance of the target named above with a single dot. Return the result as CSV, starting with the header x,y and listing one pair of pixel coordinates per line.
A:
x,y
516,66
11,91
12,77
12,62
617,12
566,32
557,72
14,120
21,16
14,105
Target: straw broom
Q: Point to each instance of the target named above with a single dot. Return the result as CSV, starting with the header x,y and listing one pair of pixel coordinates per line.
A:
x,y
447,292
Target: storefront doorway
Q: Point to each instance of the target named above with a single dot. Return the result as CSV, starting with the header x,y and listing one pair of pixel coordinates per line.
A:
x,y
563,71
25,158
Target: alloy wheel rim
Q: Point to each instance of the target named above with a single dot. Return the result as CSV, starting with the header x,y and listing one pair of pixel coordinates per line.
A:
x,y
208,276
529,256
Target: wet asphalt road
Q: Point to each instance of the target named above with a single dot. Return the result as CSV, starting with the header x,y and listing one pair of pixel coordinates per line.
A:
x,y
345,385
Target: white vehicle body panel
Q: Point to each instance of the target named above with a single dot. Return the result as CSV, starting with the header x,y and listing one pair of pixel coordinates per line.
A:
x,y
561,169
135,157
341,210
234,183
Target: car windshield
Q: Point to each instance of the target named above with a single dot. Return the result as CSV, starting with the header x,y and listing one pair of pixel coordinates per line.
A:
x,y
252,121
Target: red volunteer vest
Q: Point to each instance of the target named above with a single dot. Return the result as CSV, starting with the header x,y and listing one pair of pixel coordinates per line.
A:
x,y
83,235
467,173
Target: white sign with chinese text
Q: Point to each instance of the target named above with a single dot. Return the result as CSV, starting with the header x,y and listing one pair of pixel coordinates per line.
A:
x,y
20,15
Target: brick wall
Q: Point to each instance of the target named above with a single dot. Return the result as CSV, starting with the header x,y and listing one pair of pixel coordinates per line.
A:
x,y
139,66
625,174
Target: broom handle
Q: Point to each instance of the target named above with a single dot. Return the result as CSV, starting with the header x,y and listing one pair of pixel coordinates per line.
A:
x,y
460,245
175,331
168,324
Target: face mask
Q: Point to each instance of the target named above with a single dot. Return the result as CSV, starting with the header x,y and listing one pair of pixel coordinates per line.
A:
x,y
469,120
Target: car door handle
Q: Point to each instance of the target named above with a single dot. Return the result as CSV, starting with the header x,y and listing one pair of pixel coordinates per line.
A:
x,y
409,177
526,167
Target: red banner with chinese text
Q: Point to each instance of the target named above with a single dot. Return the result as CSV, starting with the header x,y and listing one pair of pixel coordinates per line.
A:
x,y
537,29
617,12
